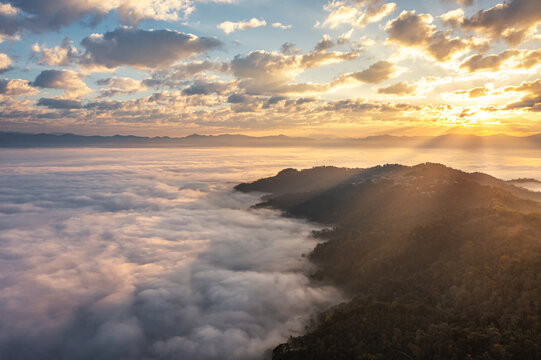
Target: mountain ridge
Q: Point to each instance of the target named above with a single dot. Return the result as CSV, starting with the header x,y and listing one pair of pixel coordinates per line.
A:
x,y
439,264
29,140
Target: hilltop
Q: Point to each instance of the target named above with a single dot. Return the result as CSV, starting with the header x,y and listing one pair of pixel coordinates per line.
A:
x,y
439,263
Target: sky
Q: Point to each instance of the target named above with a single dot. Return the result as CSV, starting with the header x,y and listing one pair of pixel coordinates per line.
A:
x,y
301,68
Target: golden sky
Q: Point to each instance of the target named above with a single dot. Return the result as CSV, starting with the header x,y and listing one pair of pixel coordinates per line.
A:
x,y
263,67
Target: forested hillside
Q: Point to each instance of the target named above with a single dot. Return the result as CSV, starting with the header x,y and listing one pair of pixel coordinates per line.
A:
x,y
439,263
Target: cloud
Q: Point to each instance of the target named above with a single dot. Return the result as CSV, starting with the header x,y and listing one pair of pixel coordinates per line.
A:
x,y
160,261
5,63
288,48
62,55
511,21
54,14
401,88
517,59
66,80
325,43
462,2
143,48
356,14
375,73
202,87
281,26
228,26
417,30
474,93
531,101
357,106
263,72
178,74
122,85
16,87
56,103
10,23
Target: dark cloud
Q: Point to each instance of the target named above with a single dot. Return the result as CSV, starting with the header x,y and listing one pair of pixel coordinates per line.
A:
x,y
201,87
325,43
237,98
143,48
531,101
521,59
362,106
376,73
401,88
10,20
489,62
288,48
67,80
65,104
131,256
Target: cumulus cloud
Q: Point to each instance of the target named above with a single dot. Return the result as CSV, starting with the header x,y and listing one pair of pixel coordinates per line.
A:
x,y
5,63
400,88
61,55
41,15
178,74
375,73
142,48
69,81
490,62
229,27
517,59
417,30
132,257
474,93
16,87
263,72
59,103
10,23
281,26
359,106
531,101
462,2
120,85
511,21
205,87
355,13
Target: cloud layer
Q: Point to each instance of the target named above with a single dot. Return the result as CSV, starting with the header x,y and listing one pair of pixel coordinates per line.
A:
x,y
121,254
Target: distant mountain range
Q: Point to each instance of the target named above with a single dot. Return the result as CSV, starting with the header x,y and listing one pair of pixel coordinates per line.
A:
x,y
26,140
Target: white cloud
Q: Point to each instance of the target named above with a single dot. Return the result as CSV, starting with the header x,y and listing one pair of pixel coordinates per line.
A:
x,y
228,26
281,26
5,63
356,14
146,255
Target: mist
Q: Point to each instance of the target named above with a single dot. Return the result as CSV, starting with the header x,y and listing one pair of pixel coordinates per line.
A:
x,y
150,254
104,256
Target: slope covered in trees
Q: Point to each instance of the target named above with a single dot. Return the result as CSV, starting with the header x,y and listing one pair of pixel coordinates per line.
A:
x,y
439,263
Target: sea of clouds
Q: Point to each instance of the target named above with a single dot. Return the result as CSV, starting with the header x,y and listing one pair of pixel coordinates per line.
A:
x,y
131,254
150,254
